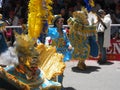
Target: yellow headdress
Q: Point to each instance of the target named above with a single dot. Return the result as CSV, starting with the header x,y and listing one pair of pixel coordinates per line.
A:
x,y
48,59
24,45
39,10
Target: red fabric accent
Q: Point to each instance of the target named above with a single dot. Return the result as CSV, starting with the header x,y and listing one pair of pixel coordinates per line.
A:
x,y
8,33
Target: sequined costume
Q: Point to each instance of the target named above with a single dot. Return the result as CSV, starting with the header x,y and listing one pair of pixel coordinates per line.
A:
x,y
83,37
61,42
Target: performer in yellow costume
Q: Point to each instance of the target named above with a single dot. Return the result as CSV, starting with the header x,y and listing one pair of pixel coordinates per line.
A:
x,y
82,36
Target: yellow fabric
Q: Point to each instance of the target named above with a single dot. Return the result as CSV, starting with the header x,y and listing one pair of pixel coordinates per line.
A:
x,y
91,2
50,62
39,10
79,31
13,79
48,59
2,25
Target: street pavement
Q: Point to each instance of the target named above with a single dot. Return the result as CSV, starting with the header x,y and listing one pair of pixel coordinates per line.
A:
x,y
95,77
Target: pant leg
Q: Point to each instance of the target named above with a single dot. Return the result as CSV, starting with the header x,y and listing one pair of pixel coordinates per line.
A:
x,y
100,42
103,54
93,46
102,49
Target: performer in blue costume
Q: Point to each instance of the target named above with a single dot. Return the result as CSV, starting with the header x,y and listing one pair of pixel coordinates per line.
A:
x,y
58,37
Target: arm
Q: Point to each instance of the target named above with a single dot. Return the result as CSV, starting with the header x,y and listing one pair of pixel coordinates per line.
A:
x,y
99,19
107,20
67,41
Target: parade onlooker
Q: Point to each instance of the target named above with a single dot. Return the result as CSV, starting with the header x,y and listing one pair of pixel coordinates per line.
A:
x,y
116,14
56,7
103,29
78,5
64,15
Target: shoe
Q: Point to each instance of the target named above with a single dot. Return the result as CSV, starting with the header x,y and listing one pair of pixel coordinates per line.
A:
x,y
98,61
101,62
81,65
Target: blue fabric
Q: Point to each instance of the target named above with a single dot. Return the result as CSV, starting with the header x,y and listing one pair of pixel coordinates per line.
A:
x,y
22,77
42,36
53,33
61,48
88,6
93,46
68,55
3,44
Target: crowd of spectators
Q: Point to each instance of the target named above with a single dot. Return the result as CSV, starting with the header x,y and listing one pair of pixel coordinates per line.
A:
x,y
66,7
15,11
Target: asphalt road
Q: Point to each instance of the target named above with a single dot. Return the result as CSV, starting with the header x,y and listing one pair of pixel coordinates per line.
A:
x,y
95,77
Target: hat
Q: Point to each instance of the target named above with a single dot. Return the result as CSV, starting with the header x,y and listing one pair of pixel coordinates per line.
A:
x,y
100,11
56,17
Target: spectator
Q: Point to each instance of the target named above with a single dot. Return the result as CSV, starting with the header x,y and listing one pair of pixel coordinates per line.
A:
x,y
64,15
116,14
56,7
103,29
78,5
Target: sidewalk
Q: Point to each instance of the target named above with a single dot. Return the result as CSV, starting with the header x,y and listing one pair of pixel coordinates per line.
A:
x,y
95,77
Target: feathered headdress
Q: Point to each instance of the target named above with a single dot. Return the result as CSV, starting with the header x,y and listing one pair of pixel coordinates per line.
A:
x,y
80,24
46,56
25,44
39,10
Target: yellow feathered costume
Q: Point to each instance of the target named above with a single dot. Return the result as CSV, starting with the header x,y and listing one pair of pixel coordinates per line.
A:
x,y
39,10
80,31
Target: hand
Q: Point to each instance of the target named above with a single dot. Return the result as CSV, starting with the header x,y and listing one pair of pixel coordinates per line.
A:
x,y
99,19
70,47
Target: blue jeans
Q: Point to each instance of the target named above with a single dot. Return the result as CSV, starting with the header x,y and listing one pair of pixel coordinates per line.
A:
x,y
102,49
93,46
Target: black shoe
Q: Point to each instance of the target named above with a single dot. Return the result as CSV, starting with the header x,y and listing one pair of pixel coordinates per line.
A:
x,y
98,61
101,62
